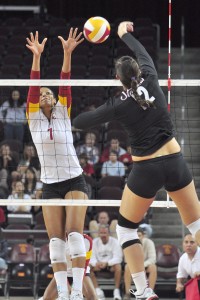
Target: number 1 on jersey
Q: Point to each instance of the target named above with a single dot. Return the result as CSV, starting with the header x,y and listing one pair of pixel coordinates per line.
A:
x,y
51,133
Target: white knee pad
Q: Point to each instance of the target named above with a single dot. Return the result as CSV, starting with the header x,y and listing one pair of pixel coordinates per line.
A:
x,y
127,236
57,251
194,227
76,245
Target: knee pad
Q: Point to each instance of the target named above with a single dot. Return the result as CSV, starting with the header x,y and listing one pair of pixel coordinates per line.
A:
x,y
76,245
194,227
127,236
57,250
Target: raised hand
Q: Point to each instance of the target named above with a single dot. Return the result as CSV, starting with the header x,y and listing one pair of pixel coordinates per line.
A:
x,y
34,45
72,42
125,27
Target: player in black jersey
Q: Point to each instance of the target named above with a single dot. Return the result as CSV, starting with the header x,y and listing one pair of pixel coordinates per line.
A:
x,y
157,158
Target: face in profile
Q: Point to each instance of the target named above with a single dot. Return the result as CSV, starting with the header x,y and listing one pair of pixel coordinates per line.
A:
x,y
47,98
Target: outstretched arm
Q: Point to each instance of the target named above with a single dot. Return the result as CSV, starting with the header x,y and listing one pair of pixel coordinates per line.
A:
x,y
68,47
144,59
36,48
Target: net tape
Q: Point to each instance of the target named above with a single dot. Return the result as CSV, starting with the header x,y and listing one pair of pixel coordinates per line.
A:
x,y
74,202
87,82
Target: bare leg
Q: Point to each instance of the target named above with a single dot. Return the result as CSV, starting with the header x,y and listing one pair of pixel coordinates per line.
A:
x,y
117,275
93,278
54,218
88,289
188,205
133,208
93,228
75,223
113,225
50,292
152,270
127,279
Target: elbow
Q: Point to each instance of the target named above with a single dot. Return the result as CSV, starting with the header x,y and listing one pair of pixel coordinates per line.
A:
x,y
78,124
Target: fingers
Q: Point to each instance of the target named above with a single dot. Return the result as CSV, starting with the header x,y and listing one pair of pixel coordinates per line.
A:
x,y
74,33
70,33
44,42
36,36
29,41
32,37
61,39
78,36
80,41
29,47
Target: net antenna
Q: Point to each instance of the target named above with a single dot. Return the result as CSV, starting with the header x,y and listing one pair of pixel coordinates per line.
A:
x,y
169,72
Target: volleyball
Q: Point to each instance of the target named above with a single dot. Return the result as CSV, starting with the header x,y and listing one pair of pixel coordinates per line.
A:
x,y
96,30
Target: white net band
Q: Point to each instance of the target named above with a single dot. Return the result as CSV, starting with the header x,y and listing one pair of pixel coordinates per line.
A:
x,y
73,202
87,82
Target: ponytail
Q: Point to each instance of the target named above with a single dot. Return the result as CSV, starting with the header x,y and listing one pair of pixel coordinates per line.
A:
x,y
129,74
142,102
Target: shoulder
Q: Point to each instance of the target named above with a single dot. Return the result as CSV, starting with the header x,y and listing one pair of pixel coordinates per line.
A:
x,y
113,240
183,258
147,241
198,252
95,241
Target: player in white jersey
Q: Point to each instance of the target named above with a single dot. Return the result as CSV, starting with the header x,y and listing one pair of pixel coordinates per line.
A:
x,y
61,174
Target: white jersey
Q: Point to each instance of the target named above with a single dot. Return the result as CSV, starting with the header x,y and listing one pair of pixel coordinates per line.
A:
x,y
111,252
188,267
53,139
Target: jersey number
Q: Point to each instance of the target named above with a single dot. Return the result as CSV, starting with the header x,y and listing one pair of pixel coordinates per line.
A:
x,y
51,133
141,90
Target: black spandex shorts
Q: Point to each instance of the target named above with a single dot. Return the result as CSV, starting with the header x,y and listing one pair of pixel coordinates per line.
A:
x,y
149,176
60,189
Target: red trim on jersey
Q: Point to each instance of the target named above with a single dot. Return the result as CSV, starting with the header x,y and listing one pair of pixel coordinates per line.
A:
x,y
65,91
34,91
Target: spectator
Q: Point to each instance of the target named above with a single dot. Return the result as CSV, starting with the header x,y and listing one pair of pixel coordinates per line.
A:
x,y
13,177
87,167
18,193
30,159
113,167
3,251
144,224
31,185
107,257
114,146
189,262
102,219
149,263
14,117
89,148
8,161
126,158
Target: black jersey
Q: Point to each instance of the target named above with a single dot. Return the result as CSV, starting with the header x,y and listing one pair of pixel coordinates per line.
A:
x,y
148,129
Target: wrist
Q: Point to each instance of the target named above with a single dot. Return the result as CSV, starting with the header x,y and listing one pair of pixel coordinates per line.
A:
x,y
67,53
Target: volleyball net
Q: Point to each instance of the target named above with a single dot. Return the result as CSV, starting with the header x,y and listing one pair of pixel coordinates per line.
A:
x,y
89,94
